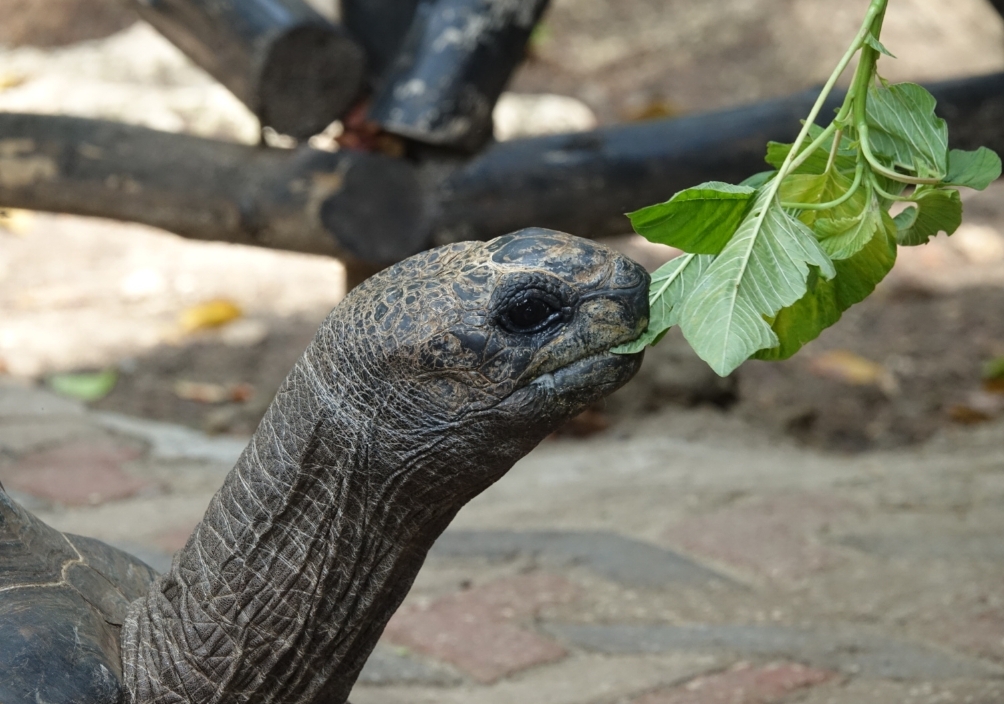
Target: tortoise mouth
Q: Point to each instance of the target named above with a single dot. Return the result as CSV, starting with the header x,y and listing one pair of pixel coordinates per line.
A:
x,y
579,382
599,371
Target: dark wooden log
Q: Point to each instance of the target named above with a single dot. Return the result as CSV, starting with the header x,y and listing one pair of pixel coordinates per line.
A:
x,y
380,27
373,209
294,69
353,205
583,183
455,61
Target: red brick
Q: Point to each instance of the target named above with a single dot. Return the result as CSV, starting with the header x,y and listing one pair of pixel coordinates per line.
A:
x,y
774,537
970,627
742,684
76,473
474,629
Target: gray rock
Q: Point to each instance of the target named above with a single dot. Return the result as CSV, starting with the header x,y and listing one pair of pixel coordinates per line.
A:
x,y
847,650
629,562
386,666
169,441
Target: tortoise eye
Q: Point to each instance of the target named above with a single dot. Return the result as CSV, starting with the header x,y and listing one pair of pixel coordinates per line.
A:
x,y
530,313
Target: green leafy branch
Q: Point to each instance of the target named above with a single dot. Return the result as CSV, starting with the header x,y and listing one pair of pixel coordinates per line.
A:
x,y
772,262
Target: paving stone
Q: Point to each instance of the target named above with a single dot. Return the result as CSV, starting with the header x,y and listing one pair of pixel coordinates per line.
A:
x,y
17,400
387,665
773,536
76,473
979,631
170,441
928,545
582,679
624,560
26,434
742,684
472,629
855,691
849,651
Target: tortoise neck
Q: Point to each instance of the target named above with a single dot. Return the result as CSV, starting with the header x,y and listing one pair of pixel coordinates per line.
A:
x,y
303,555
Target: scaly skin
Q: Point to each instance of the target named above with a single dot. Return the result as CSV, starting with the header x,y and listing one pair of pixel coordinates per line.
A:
x,y
420,390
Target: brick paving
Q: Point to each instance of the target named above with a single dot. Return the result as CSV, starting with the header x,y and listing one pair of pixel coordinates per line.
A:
x,y
650,570
475,630
76,473
775,537
742,684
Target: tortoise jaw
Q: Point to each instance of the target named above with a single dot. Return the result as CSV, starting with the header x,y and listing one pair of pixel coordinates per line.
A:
x,y
593,376
578,383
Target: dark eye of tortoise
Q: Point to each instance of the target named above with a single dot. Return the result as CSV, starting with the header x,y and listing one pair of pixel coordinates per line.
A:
x,y
531,313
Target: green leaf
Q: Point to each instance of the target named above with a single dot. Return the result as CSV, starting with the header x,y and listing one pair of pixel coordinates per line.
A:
x,y
822,188
758,179
905,220
816,163
875,44
802,188
84,387
904,129
976,169
825,301
994,369
842,238
936,211
699,220
671,283
761,270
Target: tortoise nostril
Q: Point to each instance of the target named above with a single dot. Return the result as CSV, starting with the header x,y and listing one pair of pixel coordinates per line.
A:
x,y
628,274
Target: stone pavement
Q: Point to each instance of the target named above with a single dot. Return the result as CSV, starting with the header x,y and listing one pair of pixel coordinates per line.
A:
x,y
691,562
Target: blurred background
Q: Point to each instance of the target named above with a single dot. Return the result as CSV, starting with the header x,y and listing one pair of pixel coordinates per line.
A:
x,y
84,295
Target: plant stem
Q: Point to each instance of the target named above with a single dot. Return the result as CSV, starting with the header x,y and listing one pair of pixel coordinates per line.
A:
x,y
885,194
844,197
858,93
816,144
882,170
875,10
834,148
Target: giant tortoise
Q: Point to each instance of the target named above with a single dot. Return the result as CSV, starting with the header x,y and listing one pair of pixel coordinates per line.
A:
x,y
421,389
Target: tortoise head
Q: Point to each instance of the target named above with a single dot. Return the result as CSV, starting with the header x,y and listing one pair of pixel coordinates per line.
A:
x,y
496,342
421,388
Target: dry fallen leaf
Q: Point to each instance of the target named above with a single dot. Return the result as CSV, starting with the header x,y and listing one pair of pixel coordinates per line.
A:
x,y
211,314
16,221
11,80
208,392
967,415
848,367
994,386
653,110
993,376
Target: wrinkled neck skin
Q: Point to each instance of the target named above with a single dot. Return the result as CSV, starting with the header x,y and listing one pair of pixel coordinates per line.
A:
x,y
309,547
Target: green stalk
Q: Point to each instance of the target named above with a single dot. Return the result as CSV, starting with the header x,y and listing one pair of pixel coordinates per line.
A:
x,y
834,148
859,90
844,197
885,194
816,144
875,10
